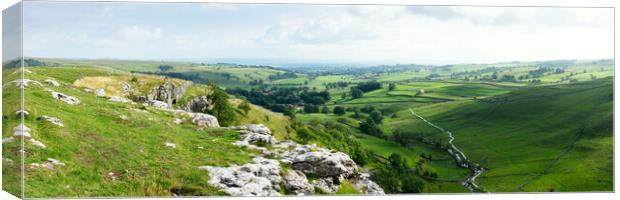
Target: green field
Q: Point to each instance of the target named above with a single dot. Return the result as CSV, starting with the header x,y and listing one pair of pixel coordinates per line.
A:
x,y
550,132
100,138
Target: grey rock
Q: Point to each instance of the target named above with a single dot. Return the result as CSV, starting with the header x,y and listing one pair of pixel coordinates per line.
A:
x,y
325,164
52,82
65,98
53,120
100,92
37,143
20,112
199,104
296,182
157,104
204,120
254,133
363,183
48,164
261,178
8,140
171,145
21,130
326,185
23,82
168,92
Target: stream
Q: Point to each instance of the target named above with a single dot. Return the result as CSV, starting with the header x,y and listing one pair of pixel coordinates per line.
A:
x,y
460,158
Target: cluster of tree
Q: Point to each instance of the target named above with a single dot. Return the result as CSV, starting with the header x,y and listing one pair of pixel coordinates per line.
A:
x,y
397,177
284,75
165,68
371,124
355,70
508,78
283,99
368,86
356,93
339,84
391,86
332,135
256,82
432,76
311,108
541,71
28,62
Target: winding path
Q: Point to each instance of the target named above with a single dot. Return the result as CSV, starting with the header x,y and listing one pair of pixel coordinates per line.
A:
x,y
460,158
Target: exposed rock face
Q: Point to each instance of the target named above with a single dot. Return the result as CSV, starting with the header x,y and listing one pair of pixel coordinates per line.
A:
x,y
325,164
253,134
100,92
328,185
171,145
8,140
52,82
53,120
23,82
199,104
331,168
178,121
201,119
157,104
168,92
66,98
296,182
48,164
261,178
21,130
363,183
37,143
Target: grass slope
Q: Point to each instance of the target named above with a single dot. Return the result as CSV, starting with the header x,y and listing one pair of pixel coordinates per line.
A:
x,y
551,138
114,149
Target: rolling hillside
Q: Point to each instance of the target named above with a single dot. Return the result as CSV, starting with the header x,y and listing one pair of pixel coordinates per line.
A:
x,y
539,139
111,148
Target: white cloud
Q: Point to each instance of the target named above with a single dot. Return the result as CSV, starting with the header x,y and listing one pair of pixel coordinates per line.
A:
x,y
141,33
392,34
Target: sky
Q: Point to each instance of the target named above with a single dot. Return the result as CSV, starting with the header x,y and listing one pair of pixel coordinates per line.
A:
x,y
315,33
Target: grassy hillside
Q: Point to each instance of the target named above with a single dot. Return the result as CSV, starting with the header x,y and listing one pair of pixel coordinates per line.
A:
x,y
225,75
111,148
552,138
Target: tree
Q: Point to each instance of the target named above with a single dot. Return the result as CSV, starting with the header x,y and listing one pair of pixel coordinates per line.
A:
x,y
325,109
222,109
494,75
245,107
357,114
376,116
398,162
339,110
368,86
412,184
370,127
309,108
165,68
356,93
391,86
